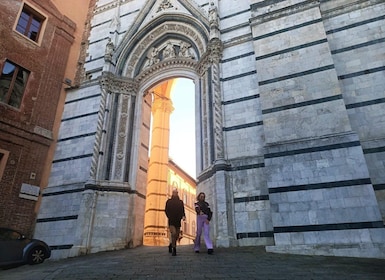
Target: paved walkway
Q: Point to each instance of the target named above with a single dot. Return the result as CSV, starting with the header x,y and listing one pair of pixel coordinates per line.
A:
x,y
226,263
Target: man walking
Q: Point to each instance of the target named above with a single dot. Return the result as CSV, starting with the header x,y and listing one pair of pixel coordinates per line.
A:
x,y
175,213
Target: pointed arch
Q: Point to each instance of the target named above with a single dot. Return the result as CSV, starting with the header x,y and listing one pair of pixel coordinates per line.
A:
x,y
131,54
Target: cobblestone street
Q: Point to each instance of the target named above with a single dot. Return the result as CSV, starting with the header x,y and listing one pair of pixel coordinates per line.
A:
x,y
226,263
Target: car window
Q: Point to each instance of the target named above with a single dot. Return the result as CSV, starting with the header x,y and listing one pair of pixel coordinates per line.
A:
x,y
6,234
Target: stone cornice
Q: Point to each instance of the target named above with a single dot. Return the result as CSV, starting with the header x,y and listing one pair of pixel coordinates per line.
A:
x,y
347,8
110,83
106,7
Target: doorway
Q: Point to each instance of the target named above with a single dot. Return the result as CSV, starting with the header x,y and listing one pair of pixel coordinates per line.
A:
x,y
172,158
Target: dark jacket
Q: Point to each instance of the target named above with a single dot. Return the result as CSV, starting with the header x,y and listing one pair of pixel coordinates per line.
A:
x,y
174,211
204,207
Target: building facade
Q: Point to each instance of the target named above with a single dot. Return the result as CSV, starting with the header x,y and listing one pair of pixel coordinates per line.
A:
x,y
289,120
34,50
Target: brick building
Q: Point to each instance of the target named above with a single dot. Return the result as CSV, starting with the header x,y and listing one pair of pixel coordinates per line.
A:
x,y
34,49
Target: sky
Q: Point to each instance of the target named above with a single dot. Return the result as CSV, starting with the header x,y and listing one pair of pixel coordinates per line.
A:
x,y
182,126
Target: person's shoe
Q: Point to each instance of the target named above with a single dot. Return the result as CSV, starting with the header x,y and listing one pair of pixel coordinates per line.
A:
x,y
197,251
210,251
174,251
170,248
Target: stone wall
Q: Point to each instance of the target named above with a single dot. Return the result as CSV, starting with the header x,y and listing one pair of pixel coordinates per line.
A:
x,y
356,39
298,92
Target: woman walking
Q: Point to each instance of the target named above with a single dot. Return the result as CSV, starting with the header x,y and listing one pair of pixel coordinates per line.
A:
x,y
204,215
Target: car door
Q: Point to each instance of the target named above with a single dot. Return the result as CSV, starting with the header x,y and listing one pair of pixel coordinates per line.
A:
x,y
11,246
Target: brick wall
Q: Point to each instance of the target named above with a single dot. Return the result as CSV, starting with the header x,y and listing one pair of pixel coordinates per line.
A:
x,y
26,132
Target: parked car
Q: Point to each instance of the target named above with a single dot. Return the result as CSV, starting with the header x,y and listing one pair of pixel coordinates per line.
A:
x,y
16,248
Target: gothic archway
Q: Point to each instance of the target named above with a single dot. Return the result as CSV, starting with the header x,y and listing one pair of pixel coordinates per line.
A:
x,y
106,182
172,45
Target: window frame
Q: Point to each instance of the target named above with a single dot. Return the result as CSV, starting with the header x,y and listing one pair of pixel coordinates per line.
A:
x,y
37,14
3,161
8,95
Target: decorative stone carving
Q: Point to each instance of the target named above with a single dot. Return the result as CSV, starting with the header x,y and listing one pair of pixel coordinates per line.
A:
x,y
184,50
120,85
213,15
121,143
109,6
108,84
115,23
214,22
120,156
99,128
204,121
215,48
164,5
109,50
164,65
181,29
217,108
152,57
169,51
211,56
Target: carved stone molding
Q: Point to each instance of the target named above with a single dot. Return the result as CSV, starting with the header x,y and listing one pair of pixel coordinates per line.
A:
x,y
109,83
166,65
106,7
171,27
217,107
170,49
213,55
164,5
99,127
215,48
113,84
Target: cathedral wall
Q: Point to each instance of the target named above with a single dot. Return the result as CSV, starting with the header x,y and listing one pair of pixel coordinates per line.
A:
x,y
61,207
243,132
57,221
315,167
243,129
356,37
252,212
71,163
111,227
301,88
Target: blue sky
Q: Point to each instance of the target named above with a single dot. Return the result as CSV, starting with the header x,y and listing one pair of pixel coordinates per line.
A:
x,y
182,126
